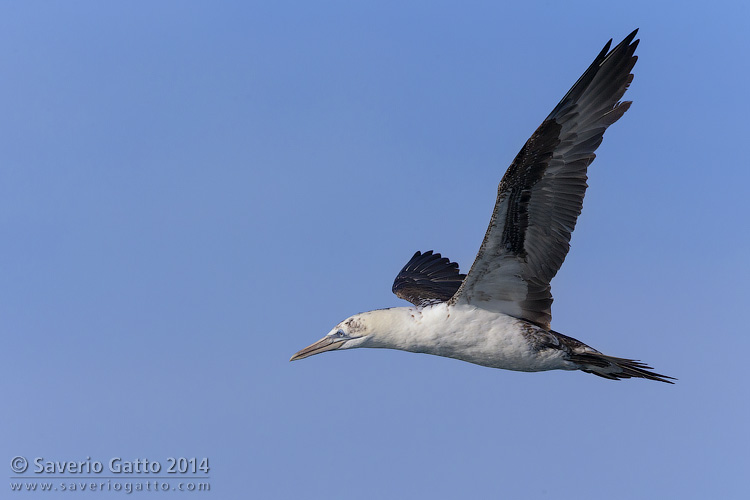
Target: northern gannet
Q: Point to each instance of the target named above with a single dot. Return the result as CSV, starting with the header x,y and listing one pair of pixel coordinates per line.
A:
x,y
498,315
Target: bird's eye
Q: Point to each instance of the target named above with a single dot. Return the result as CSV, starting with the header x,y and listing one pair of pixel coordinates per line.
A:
x,y
340,333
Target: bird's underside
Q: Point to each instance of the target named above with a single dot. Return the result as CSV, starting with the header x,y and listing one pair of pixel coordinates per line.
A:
x,y
541,348
499,313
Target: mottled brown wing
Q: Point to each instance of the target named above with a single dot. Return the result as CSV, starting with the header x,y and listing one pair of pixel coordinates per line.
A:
x,y
541,195
428,279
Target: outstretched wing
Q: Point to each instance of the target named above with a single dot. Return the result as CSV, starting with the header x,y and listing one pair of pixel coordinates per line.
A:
x,y
428,279
541,195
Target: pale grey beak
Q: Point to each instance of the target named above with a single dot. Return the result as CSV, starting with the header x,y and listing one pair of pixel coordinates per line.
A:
x,y
325,344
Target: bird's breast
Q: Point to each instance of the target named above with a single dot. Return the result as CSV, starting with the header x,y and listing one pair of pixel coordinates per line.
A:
x,y
482,337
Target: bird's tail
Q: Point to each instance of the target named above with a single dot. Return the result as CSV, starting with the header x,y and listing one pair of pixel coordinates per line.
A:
x,y
616,368
590,360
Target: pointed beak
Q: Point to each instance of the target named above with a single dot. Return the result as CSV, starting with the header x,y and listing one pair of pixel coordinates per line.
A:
x,y
322,345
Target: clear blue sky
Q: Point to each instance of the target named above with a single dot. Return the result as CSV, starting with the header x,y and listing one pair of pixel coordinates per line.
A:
x,y
191,192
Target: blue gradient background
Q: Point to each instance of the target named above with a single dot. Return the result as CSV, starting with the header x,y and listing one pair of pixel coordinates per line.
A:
x,y
190,192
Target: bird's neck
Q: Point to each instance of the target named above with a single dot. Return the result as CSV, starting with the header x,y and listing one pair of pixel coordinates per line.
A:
x,y
406,328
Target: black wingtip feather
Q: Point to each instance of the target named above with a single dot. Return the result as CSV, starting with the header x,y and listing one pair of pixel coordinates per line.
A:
x,y
428,278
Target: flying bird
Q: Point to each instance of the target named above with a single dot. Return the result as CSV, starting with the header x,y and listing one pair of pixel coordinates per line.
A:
x,y
498,315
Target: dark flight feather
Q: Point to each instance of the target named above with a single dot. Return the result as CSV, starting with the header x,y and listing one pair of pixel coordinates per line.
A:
x,y
428,279
541,195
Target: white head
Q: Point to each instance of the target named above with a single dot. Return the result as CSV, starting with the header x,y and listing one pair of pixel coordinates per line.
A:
x,y
368,329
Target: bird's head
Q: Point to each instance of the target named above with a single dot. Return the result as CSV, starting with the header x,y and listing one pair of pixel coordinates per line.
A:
x,y
368,329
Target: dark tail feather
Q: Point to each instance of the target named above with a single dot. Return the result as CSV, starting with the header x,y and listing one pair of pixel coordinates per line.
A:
x,y
616,368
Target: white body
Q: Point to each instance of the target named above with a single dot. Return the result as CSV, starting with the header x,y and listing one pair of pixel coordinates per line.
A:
x,y
463,332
